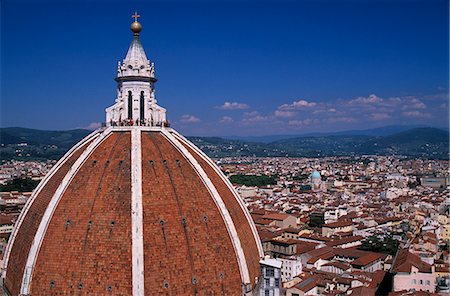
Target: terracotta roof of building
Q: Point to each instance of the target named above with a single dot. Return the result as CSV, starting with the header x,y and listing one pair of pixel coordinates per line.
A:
x,y
337,224
343,280
275,216
320,251
355,253
262,221
304,247
265,235
338,264
344,240
313,260
443,268
366,259
308,284
377,277
7,219
405,260
326,256
316,237
259,212
413,293
285,242
387,219
362,291
290,230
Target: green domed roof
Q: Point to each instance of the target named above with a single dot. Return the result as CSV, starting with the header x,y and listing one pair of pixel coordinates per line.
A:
x,y
315,175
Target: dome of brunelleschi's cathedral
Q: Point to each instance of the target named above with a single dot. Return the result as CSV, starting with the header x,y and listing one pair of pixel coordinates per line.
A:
x,y
134,209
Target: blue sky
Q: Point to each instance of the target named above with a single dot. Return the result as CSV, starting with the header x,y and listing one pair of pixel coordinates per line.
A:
x,y
231,67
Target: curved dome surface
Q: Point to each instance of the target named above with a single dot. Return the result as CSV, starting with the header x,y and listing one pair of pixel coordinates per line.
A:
x,y
133,211
315,175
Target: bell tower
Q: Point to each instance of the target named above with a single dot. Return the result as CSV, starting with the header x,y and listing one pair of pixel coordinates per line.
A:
x,y
136,103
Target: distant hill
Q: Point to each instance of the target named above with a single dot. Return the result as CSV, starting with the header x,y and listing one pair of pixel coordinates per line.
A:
x,y
40,144
417,142
17,135
424,142
379,131
322,145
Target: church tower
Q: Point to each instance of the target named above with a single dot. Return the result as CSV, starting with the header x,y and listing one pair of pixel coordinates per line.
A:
x,y
136,102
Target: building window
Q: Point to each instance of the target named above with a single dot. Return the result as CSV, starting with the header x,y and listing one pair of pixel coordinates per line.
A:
x,y
130,105
267,283
420,282
277,283
267,293
142,106
270,272
414,282
428,282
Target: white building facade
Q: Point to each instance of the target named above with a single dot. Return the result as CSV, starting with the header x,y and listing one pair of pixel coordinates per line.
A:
x,y
270,282
290,267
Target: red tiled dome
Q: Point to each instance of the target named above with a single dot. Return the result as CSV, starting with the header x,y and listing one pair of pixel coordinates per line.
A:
x,y
132,209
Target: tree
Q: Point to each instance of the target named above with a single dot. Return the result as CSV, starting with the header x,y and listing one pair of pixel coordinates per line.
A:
x,y
253,180
386,245
19,184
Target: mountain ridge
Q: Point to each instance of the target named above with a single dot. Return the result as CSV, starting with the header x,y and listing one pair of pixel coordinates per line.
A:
x,y
378,131
423,142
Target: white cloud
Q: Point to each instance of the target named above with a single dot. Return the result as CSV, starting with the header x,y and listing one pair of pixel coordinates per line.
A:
x,y
251,114
281,113
414,104
233,106
335,113
93,126
416,114
379,116
394,100
227,119
303,122
342,119
253,119
419,105
297,105
330,110
371,99
189,119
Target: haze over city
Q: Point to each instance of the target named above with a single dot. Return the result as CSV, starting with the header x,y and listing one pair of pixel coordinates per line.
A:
x,y
231,68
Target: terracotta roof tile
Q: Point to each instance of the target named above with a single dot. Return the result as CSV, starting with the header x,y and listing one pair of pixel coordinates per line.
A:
x,y
405,260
